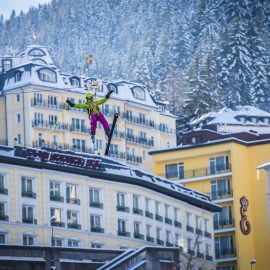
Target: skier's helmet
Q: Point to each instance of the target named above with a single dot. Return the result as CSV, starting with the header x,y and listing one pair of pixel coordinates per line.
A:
x,y
89,96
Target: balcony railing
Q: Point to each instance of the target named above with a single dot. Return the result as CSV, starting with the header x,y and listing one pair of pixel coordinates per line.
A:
x,y
224,224
58,224
150,239
46,104
148,214
200,255
177,224
138,211
207,234
73,201
168,221
29,194
221,194
3,191
198,231
191,252
140,140
159,218
49,125
74,226
138,236
141,121
189,228
205,172
118,154
96,205
225,253
123,233
122,208
160,242
56,198
4,217
169,244
208,258
133,158
97,229
82,129
29,221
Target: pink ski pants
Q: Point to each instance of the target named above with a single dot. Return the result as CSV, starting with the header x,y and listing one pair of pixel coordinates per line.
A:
x,y
93,122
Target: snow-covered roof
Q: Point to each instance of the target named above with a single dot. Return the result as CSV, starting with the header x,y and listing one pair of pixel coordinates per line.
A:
x,y
103,168
36,58
229,116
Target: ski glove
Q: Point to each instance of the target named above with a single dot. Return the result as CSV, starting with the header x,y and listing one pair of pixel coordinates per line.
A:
x,y
108,94
71,104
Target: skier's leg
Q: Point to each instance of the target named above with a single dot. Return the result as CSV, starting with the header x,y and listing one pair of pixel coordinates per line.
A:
x,y
104,123
93,123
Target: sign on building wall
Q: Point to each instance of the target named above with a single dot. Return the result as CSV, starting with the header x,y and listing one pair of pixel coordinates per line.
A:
x,y
244,223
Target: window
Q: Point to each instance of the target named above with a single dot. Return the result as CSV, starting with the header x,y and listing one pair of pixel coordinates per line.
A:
x,y
57,212
2,185
27,187
122,225
36,52
198,222
55,190
96,245
18,98
148,230
98,144
224,246
120,199
176,214
168,237
18,118
55,139
94,195
78,124
28,214
72,217
220,188
47,75
2,238
138,93
28,240
113,87
78,145
38,99
157,204
158,233
219,164
52,120
6,64
38,118
73,243
136,201
114,149
2,211
175,170
223,218
19,139
167,211
52,101
57,242
75,82
72,193
178,240
18,76
95,221
137,226
129,115
130,133
106,109
189,219
142,118
147,205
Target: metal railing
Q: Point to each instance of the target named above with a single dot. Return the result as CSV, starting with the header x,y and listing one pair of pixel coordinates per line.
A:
x,y
46,104
138,236
123,233
97,229
122,208
96,205
74,226
3,191
140,140
29,194
225,253
224,224
49,125
221,194
138,211
56,198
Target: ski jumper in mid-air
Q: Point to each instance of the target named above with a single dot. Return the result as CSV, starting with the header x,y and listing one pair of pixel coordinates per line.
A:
x,y
94,113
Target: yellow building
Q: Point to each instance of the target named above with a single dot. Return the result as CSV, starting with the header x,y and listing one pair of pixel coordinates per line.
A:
x,y
32,100
99,203
225,166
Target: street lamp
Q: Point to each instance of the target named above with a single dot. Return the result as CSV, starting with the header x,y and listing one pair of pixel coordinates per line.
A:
x,y
53,219
252,261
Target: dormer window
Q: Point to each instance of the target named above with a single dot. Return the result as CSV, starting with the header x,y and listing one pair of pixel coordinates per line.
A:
x,y
74,81
36,52
138,92
18,76
161,108
113,87
47,75
6,64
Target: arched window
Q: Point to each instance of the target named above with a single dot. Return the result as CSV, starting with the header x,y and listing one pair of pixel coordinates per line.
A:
x,y
36,52
113,87
47,75
138,92
18,76
74,81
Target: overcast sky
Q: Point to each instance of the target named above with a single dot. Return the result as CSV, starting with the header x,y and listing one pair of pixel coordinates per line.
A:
x,y
6,6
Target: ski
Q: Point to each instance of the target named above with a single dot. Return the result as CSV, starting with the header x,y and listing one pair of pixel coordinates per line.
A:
x,y
111,133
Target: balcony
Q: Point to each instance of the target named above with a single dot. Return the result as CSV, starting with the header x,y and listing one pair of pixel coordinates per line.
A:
x,y
29,221
190,229
122,208
198,231
200,255
44,104
56,198
49,125
58,224
168,221
134,159
149,214
74,226
3,191
205,172
73,201
225,253
150,239
123,233
96,205
224,224
97,229
4,217
177,224
82,129
169,244
207,234
29,194
160,242
139,236
140,140
221,194
138,211
159,218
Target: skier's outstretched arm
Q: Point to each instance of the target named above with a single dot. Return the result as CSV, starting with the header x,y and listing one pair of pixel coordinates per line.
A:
x,y
103,100
76,105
